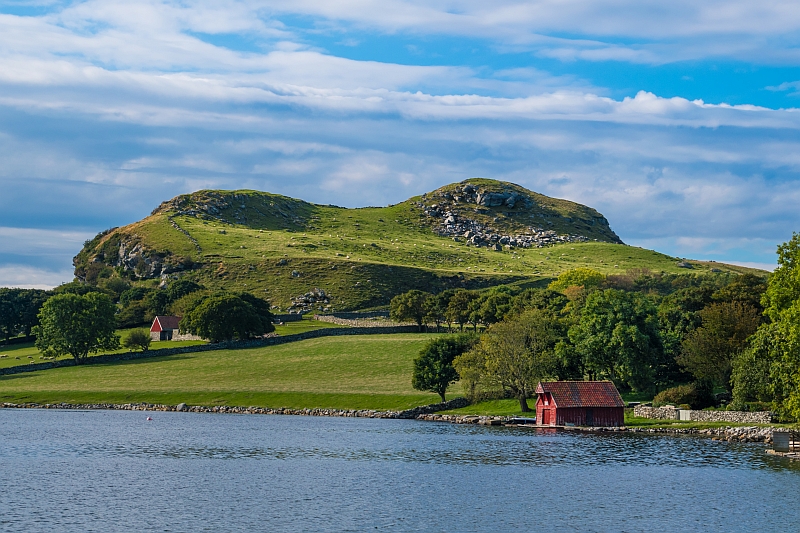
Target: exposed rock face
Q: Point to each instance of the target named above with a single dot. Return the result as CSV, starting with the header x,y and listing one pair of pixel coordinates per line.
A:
x,y
450,211
316,298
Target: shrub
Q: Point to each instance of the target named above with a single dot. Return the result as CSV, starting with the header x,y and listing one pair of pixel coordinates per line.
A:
x,y
138,338
695,395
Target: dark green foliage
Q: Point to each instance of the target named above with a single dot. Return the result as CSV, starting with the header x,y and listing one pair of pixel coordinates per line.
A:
x,y
158,302
71,324
221,317
410,305
116,285
752,368
458,308
777,343
493,305
134,314
433,368
617,338
545,299
696,395
180,288
19,310
80,288
708,351
436,308
138,339
747,288
134,294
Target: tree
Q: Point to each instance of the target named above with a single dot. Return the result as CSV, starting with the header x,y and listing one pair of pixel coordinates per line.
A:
x,y
433,367
180,288
547,299
436,307
709,350
617,338
71,324
458,308
776,344
30,303
138,338
747,288
494,305
9,313
516,354
221,317
410,305
577,277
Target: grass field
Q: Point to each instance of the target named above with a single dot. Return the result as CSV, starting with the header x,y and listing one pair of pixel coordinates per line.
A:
x,y
27,352
358,372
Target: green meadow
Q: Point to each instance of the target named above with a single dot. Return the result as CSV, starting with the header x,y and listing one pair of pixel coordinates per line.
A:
x,y
352,372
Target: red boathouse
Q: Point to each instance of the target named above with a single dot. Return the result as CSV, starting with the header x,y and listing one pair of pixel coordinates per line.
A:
x,y
582,403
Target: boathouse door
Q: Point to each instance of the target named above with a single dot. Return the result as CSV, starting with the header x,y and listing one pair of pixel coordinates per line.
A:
x,y
589,417
546,417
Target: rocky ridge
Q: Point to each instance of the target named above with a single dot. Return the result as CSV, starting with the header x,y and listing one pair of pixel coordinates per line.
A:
x,y
452,214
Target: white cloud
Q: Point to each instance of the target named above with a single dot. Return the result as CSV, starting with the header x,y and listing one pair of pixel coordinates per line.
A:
x,y
28,277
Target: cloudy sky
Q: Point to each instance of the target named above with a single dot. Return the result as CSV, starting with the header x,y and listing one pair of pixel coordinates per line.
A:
x,y
679,121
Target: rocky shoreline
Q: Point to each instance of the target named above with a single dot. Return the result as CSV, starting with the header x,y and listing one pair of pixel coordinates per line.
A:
x,y
425,413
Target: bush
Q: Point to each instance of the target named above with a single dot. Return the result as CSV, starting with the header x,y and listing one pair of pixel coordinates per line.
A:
x,y
694,395
138,338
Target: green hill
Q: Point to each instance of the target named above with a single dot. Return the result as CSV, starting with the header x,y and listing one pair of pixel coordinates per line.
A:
x,y
473,234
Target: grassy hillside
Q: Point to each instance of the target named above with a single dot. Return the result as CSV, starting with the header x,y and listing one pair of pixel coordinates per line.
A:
x,y
280,248
359,372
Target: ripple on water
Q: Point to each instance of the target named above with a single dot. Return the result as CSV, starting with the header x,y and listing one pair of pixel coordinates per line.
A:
x,y
114,471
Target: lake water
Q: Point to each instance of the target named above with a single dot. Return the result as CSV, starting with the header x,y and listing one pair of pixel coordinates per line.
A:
x,y
106,471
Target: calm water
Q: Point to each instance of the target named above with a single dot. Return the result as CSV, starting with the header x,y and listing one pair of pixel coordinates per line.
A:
x,y
114,471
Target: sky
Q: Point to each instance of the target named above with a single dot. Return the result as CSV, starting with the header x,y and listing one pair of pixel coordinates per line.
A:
x,y
679,121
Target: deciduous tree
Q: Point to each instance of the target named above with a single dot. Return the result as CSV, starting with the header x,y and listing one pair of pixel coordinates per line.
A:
x,y
410,305
516,354
71,324
709,350
433,367
221,317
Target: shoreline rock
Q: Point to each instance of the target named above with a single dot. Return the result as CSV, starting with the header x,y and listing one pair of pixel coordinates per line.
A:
x,y
427,413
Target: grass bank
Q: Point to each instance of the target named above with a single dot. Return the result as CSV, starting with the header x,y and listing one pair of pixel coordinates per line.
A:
x,y
353,372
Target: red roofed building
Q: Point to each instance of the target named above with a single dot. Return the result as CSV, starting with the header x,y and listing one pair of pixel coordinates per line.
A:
x,y
165,328
582,403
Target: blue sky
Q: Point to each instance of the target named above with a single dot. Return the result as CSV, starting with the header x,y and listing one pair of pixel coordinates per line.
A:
x,y
680,122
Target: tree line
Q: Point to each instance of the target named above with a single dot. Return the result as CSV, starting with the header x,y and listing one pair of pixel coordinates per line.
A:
x,y
81,319
681,336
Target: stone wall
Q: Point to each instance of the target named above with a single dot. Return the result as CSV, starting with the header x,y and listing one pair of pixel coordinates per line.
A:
x,y
416,412
658,413
359,322
231,345
671,413
358,316
287,318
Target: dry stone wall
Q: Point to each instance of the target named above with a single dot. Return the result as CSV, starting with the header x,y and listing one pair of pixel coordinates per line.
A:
x,y
671,413
360,322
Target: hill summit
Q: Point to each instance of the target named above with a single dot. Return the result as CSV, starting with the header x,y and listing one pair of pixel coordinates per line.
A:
x,y
472,234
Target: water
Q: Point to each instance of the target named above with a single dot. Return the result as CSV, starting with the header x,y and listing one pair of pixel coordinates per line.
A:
x,y
112,471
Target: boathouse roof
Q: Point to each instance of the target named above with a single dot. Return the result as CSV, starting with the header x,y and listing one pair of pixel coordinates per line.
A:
x,y
567,394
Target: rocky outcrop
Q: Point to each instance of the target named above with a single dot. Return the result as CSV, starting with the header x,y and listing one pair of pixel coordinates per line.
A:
x,y
314,299
452,214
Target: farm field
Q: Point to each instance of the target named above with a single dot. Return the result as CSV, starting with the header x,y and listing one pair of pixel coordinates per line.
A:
x,y
356,372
